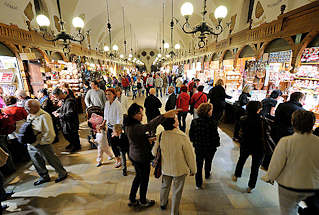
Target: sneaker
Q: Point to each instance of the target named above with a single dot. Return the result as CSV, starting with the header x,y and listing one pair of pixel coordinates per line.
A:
x,y
109,158
207,176
75,149
99,164
136,203
148,203
61,178
198,188
118,165
234,178
249,189
41,181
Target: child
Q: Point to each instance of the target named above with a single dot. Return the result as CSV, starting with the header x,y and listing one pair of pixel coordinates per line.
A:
x,y
102,145
120,139
134,89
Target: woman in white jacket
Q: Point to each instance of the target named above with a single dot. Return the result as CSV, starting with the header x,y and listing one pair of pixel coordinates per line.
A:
x,y
295,164
178,160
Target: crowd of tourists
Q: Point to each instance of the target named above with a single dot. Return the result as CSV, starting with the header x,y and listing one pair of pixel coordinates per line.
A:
x,y
280,140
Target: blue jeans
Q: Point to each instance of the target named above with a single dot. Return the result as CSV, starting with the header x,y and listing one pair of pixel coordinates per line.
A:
x,y
159,89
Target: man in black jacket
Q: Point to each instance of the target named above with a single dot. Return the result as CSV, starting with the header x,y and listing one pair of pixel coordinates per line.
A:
x,y
152,105
284,113
69,119
171,101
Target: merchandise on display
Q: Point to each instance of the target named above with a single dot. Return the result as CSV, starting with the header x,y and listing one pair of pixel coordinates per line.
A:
x,y
10,79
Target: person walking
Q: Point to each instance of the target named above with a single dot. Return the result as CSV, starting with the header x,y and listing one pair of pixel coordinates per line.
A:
x,y
152,105
121,142
69,119
197,99
125,85
165,83
252,143
95,96
41,149
171,101
204,135
283,114
159,85
297,153
217,96
140,151
113,114
149,84
122,99
140,86
182,102
240,109
177,159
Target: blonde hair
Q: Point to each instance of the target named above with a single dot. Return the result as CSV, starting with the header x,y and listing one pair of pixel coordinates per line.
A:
x,y
219,82
117,127
247,89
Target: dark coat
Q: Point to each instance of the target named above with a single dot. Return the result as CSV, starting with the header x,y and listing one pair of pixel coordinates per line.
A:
x,y
68,116
267,104
283,117
121,142
140,147
171,102
243,99
152,105
251,135
217,96
203,133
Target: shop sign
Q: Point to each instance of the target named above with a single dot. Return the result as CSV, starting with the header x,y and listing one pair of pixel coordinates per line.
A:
x,y
310,55
6,77
28,56
280,57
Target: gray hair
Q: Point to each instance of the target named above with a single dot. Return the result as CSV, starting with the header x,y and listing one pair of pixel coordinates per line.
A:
x,y
21,93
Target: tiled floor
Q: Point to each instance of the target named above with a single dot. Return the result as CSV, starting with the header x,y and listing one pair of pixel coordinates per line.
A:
x,y
92,190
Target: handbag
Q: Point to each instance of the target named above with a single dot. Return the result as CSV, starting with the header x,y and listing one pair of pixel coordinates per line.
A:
x,y
192,105
3,157
157,162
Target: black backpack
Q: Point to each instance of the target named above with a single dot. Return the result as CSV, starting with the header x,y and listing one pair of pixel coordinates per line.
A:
x,y
26,134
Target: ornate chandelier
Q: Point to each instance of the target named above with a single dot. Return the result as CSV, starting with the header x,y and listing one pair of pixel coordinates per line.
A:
x,y
66,39
203,28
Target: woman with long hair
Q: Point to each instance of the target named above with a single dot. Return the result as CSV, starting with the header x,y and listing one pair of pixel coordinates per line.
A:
x,y
140,150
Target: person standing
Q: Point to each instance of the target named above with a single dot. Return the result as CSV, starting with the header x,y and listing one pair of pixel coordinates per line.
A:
x,y
269,104
125,85
140,86
197,99
179,84
252,142
149,84
178,160
22,97
113,114
217,96
204,135
165,83
171,101
240,109
283,114
122,99
41,149
159,85
152,105
69,119
95,96
182,102
295,164
140,151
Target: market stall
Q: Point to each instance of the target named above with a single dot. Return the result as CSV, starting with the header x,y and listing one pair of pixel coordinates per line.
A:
x,y
10,76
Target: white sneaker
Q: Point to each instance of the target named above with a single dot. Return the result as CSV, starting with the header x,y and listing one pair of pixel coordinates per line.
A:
x,y
109,158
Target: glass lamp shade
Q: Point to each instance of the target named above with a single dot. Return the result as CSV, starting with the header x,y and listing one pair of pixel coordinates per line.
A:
x,y
221,12
129,59
121,56
130,55
115,48
159,55
177,46
187,9
78,22
106,48
167,55
166,45
43,20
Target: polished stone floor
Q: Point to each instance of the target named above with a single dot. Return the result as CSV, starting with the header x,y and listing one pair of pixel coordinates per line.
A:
x,y
103,190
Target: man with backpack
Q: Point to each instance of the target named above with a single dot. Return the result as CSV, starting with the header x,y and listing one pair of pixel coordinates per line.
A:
x,y
38,133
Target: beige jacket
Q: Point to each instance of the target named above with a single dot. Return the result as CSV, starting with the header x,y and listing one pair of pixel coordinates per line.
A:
x,y
43,127
178,157
295,162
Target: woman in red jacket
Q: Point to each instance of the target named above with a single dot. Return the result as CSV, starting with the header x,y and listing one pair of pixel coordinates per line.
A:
x,y
182,102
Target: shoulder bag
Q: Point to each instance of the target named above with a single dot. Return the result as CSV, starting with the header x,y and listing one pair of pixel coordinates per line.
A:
x,y
157,162
192,105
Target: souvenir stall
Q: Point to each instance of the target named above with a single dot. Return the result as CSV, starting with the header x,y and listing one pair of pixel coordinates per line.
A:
x,y
10,76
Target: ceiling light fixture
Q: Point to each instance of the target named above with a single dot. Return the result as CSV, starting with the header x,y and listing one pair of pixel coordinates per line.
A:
x,y
177,46
203,28
44,22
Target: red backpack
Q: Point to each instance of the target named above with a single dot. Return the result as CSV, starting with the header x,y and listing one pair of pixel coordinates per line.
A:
x,y
7,124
